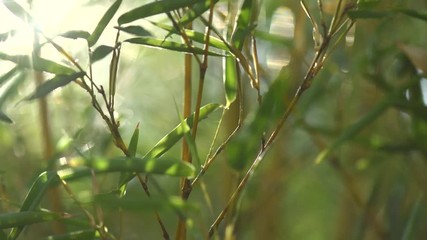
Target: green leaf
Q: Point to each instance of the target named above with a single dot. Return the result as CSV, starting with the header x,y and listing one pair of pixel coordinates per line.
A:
x,y
76,235
4,36
169,45
74,34
103,23
135,30
18,10
230,80
35,196
195,11
133,146
101,52
170,167
12,88
8,75
52,84
37,63
5,118
243,27
176,134
414,13
409,228
154,8
196,36
21,219
367,14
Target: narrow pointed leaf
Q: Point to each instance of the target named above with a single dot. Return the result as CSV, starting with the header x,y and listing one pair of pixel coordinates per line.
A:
x,y
35,196
22,219
5,118
37,63
176,134
103,23
169,45
414,14
368,14
154,8
4,36
230,80
195,11
8,75
133,146
80,234
243,27
135,30
74,34
101,52
52,84
18,10
409,228
12,88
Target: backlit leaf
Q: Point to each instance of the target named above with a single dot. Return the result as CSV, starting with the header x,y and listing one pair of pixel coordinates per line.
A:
x,y
135,30
52,84
103,23
37,63
195,11
101,52
5,118
74,34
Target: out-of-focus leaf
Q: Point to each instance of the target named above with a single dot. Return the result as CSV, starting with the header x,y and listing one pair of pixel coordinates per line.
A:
x,y
52,84
417,55
4,36
4,117
140,203
170,167
414,13
133,146
195,11
366,14
154,8
176,134
243,27
8,75
135,30
248,141
196,36
21,219
230,80
409,228
3,235
100,52
274,38
76,235
34,197
169,45
74,34
37,63
18,10
103,23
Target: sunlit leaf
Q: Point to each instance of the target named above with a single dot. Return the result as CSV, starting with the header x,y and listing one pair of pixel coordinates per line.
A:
x,y
80,234
4,36
18,10
101,52
21,219
37,63
52,84
74,34
169,45
5,118
8,75
12,89
154,8
103,23
35,196
195,11
230,80
176,134
135,30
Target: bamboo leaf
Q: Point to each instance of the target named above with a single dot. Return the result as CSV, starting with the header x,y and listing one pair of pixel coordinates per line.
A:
x,y
80,234
409,228
22,219
243,27
52,84
176,134
367,14
230,80
12,88
133,146
4,117
195,11
103,23
8,75
414,13
35,196
37,63
154,8
18,10
169,45
4,36
135,30
101,52
74,34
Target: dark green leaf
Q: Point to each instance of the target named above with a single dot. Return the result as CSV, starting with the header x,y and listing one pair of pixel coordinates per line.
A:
x,y
195,11
174,46
414,13
35,196
100,52
154,8
135,30
133,146
103,23
37,63
88,234
230,80
74,34
5,118
54,83
176,134
366,14
21,219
